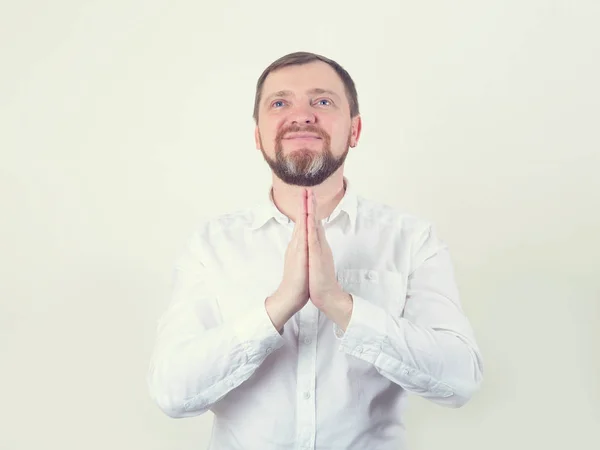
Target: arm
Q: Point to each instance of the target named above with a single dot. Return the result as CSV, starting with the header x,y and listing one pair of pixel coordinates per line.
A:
x,y
430,350
197,359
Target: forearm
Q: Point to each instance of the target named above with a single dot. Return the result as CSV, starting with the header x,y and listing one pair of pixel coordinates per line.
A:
x,y
191,370
279,310
439,364
434,363
339,309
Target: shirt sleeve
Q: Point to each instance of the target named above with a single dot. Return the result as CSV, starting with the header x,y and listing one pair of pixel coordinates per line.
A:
x,y
197,359
429,351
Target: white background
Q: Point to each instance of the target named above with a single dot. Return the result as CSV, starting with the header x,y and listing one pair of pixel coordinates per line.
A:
x,y
124,123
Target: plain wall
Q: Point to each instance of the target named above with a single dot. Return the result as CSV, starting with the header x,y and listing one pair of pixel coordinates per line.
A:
x,y
124,123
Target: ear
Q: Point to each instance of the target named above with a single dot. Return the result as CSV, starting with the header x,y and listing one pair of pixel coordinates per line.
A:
x,y
257,139
356,128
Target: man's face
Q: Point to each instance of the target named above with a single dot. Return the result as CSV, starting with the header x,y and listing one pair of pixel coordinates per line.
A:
x,y
304,127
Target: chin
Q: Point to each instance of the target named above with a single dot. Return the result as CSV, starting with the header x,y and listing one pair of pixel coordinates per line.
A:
x,y
303,145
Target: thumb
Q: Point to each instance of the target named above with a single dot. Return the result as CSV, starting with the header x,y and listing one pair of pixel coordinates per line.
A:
x,y
312,231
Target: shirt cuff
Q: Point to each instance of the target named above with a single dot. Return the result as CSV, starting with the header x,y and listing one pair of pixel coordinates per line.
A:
x,y
365,333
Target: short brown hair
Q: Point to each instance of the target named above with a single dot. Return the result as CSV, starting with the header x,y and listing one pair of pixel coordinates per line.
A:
x,y
299,58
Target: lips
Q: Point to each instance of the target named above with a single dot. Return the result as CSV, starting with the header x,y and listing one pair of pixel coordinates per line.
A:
x,y
302,136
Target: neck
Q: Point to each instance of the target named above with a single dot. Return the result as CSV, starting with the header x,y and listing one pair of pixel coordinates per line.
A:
x,y
329,193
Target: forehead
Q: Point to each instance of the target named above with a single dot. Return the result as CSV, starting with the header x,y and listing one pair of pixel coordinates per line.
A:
x,y
302,78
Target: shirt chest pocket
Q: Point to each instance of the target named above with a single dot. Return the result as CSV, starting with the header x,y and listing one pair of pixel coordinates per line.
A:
x,y
384,288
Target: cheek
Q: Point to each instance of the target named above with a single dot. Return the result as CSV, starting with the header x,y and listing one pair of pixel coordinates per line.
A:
x,y
264,131
340,132
270,128
267,138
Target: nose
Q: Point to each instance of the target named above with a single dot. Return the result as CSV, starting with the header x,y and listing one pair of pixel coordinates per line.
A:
x,y
302,115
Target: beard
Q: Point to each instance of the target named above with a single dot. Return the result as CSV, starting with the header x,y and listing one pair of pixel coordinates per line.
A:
x,y
304,166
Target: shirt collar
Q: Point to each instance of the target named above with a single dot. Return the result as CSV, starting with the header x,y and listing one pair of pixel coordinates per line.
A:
x,y
266,209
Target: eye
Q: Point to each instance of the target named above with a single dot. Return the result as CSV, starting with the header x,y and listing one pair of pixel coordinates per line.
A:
x,y
324,102
277,104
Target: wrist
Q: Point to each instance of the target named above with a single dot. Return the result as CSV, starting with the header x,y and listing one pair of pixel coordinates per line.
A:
x,y
279,311
339,309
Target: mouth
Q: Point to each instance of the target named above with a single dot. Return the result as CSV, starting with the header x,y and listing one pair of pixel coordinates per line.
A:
x,y
303,136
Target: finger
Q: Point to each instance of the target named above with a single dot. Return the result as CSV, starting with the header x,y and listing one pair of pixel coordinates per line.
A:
x,y
318,223
311,236
314,203
296,229
302,220
305,229
321,233
319,228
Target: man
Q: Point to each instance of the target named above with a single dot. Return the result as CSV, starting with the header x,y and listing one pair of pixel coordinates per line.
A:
x,y
304,322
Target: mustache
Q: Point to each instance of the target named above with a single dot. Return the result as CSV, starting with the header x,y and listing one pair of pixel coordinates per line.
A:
x,y
304,129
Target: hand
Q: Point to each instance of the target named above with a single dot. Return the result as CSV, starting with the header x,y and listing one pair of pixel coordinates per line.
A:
x,y
295,267
309,271
292,293
324,289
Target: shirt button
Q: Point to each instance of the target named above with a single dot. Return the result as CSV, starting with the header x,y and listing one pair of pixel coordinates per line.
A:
x,y
307,395
307,341
359,349
406,372
269,350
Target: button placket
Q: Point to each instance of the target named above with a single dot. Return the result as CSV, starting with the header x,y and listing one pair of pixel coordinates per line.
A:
x,y
305,408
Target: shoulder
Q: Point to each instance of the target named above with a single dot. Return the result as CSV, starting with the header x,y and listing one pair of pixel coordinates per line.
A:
x,y
374,213
412,238
224,226
410,234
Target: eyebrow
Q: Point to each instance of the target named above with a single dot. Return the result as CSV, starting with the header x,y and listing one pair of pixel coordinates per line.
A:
x,y
310,91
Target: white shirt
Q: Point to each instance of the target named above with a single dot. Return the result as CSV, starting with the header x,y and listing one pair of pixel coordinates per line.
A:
x,y
313,387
